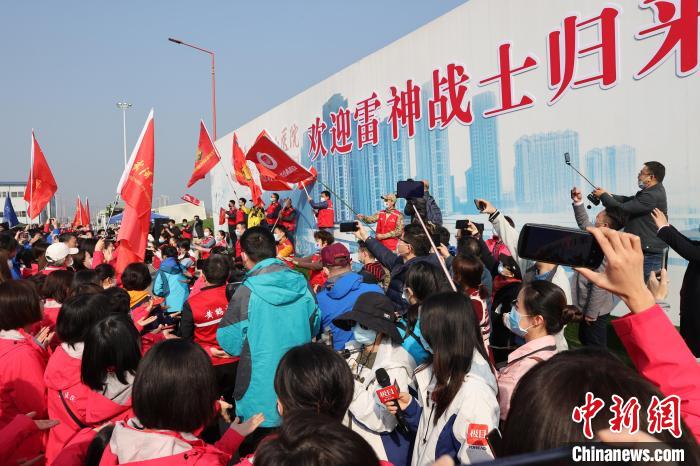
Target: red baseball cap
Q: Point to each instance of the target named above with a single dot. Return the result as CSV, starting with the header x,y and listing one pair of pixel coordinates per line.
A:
x,y
335,255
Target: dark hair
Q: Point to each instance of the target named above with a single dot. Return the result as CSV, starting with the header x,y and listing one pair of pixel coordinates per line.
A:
x,y
276,196
57,285
425,279
85,276
282,228
174,370
118,300
443,234
417,239
86,288
97,446
20,304
258,244
468,246
169,251
309,439
136,277
657,170
66,236
448,324
112,345
78,314
39,250
184,244
324,236
326,193
362,247
543,298
105,271
467,272
314,377
5,273
8,243
245,225
616,217
217,269
88,245
551,390
25,257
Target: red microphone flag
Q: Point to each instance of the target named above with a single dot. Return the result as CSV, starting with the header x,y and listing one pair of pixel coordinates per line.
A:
x,y
41,185
265,153
191,199
136,189
207,156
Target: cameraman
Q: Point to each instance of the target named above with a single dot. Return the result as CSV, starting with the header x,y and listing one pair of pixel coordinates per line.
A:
x,y
638,208
595,303
426,207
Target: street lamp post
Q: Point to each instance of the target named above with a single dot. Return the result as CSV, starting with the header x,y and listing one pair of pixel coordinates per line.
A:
x,y
213,78
124,106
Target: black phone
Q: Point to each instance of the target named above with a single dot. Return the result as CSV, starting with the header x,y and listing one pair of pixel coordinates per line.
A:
x,y
559,245
410,189
480,205
567,158
348,227
464,224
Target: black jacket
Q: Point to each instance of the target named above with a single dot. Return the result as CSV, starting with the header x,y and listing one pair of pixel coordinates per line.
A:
x,y
397,268
638,209
690,289
427,208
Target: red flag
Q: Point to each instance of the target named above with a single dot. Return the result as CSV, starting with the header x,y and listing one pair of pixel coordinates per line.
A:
x,y
267,154
191,199
222,215
256,194
79,217
240,165
309,181
269,181
41,185
207,156
86,212
136,189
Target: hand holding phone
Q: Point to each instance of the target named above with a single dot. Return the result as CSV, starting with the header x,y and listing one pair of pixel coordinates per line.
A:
x,y
559,245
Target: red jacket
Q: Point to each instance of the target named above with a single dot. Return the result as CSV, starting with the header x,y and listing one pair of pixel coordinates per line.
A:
x,y
19,432
231,215
660,354
326,217
290,225
207,308
62,377
22,388
143,446
272,212
386,223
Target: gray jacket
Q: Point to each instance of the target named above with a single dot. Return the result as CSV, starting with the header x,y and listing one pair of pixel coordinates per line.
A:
x,y
591,300
638,210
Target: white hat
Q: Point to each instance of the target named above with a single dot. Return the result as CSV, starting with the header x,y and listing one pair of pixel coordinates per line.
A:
x,y
58,252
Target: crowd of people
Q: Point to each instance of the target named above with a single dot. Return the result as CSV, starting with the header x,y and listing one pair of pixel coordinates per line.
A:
x,y
227,347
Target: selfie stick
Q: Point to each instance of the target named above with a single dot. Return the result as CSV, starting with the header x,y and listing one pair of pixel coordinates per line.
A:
x,y
568,162
437,253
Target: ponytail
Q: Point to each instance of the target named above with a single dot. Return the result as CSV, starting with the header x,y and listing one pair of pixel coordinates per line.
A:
x,y
543,298
570,314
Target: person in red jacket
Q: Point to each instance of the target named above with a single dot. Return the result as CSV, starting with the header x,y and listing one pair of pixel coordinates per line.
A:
x,y
242,211
67,395
285,248
317,275
288,218
21,429
55,291
231,215
325,216
389,222
241,227
273,210
201,315
652,342
22,388
161,434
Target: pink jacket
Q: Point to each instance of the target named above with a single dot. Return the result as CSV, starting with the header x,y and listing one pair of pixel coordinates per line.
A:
x,y
146,447
660,354
519,362
22,388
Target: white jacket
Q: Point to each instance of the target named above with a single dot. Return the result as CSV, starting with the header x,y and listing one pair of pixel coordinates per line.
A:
x,y
367,415
473,413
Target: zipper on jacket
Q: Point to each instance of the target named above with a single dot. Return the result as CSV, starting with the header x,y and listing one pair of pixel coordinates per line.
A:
x,y
427,425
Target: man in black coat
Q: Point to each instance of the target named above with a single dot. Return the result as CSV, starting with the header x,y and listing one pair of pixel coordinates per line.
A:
x,y
426,206
637,208
413,247
690,289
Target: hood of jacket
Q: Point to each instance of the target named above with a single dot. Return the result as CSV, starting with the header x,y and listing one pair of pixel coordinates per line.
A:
x,y
170,265
63,369
130,444
114,400
275,283
343,285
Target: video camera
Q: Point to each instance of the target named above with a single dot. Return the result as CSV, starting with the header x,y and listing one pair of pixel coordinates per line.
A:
x,y
592,198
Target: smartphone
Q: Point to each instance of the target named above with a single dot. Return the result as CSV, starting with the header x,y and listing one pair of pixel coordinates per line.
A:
x,y
480,205
410,189
464,224
567,158
559,245
348,227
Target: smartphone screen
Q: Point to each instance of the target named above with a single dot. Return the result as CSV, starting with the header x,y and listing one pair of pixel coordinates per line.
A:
x,y
559,245
348,227
409,189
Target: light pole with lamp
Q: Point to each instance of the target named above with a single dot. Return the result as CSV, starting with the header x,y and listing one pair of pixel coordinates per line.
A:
x,y
213,78
124,106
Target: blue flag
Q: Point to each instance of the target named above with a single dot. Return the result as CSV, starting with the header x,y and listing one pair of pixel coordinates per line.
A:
x,y
9,214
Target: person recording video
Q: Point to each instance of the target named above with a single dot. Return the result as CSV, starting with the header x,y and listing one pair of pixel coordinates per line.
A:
x,y
426,207
638,208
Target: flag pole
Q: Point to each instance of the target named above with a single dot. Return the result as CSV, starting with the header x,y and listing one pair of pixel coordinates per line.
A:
x,y
343,201
31,179
441,259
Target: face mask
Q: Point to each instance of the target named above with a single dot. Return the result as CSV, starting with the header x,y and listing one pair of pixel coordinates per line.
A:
x,y
207,233
219,238
501,268
386,205
272,199
514,323
239,234
362,336
641,184
318,247
277,236
425,344
405,296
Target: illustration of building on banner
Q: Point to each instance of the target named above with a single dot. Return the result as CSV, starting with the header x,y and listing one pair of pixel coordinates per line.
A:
x,y
433,157
541,177
613,168
484,175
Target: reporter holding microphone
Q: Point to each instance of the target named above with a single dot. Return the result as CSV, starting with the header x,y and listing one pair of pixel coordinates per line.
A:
x,y
376,355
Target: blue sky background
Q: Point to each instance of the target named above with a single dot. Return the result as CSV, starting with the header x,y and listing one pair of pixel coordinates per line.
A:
x,y
66,64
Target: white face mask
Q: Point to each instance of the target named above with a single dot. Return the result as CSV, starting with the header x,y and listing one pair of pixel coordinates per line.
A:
x,y
219,238
406,296
207,233
239,234
364,336
278,236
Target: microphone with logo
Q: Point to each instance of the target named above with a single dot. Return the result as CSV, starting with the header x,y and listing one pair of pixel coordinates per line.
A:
x,y
390,393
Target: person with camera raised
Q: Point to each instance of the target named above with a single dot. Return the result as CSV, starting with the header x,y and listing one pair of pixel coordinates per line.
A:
x,y
638,208
389,222
426,207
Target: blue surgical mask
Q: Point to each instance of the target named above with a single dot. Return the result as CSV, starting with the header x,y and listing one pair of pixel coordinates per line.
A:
x,y
364,336
514,319
641,185
425,344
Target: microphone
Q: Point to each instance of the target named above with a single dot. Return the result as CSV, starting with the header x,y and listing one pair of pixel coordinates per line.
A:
x,y
389,392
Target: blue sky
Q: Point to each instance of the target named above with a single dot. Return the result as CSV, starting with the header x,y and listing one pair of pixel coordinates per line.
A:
x,y
65,65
